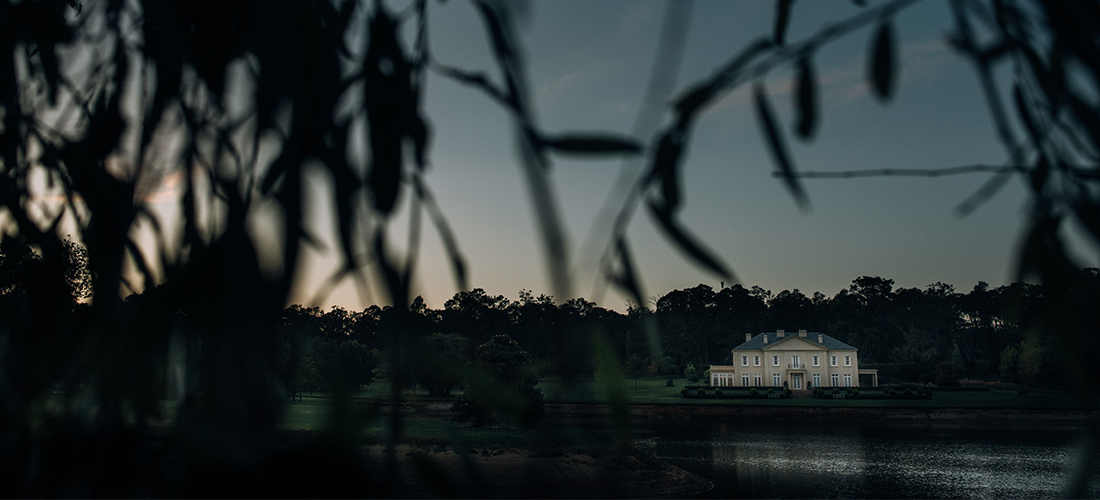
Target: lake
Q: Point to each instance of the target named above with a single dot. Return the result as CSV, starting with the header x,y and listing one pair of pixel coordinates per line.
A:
x,y
872,460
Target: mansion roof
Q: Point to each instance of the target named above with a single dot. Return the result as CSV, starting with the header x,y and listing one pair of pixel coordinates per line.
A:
x,y
771,338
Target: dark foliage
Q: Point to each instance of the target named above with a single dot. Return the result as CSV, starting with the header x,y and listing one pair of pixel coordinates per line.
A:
x,y
108,99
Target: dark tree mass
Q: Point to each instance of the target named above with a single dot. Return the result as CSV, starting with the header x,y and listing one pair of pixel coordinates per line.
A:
x,y
933,334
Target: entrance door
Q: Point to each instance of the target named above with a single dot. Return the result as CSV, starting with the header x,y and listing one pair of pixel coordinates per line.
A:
x,y
796,381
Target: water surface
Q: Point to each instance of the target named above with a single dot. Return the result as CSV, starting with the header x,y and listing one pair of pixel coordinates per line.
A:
x,y
908,460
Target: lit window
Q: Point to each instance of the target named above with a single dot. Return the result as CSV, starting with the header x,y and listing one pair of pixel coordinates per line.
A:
x,y
756,380
847,380
817,380
745,380
836,380
775,380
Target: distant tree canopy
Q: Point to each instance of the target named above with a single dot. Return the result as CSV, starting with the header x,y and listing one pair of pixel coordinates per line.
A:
x,y
933,334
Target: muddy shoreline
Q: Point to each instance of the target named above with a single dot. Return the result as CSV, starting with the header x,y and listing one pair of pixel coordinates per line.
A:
x,y
432,472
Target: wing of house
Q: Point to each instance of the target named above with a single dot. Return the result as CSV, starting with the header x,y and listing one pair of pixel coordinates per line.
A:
x,y
799,361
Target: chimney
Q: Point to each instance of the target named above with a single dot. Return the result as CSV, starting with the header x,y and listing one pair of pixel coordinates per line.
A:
x,y
779,333
802,333
765,338
820,339
748,337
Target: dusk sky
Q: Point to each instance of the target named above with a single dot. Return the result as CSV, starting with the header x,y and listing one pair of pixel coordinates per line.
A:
x,y
588,66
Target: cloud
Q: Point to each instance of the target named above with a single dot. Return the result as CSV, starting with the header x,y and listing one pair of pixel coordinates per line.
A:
x,y
918,62
549,91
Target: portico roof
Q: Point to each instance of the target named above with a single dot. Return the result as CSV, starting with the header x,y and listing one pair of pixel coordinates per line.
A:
x,y
758,342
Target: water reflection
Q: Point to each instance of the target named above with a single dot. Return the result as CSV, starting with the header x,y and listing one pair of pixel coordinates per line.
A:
x,y
873,461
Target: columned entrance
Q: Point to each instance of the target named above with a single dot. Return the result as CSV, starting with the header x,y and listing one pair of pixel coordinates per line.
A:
x,y
873,373
796,381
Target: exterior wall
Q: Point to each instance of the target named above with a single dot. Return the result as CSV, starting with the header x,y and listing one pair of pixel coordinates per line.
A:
x,y
786,350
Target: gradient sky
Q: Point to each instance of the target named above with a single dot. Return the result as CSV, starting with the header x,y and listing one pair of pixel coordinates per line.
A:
x,y
588,64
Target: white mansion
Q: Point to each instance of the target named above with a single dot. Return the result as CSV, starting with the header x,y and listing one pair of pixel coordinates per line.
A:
x,y
798,361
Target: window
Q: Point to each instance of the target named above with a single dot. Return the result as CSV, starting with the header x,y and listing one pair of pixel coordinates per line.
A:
x,y
847,361
744,361
756,380
794,362
817,379
817,362
775,380
847,380
836,380
756,361
832,360
775,360
744,380
713,379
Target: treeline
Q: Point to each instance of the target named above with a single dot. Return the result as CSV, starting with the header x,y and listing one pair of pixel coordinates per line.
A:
x,y
933,334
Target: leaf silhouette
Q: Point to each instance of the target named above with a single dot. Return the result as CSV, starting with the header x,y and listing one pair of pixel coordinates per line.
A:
x,y
593,144
782,20
446,235
777,147
1025,115
665,167
882,67
626,279
806,100
687,242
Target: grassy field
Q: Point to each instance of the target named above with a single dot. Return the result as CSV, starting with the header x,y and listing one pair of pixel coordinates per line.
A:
x,y
312,414
654,391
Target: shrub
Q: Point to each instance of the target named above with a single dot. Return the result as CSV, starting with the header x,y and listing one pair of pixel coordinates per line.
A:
x,y
667,366
771,391
684,392
718,393
754,392
836,391
670,383
855,392
691,373
702,392
928,393
787,392
908,392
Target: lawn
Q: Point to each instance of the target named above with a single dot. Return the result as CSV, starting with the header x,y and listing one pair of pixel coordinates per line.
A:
x,y
312,414
654,391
